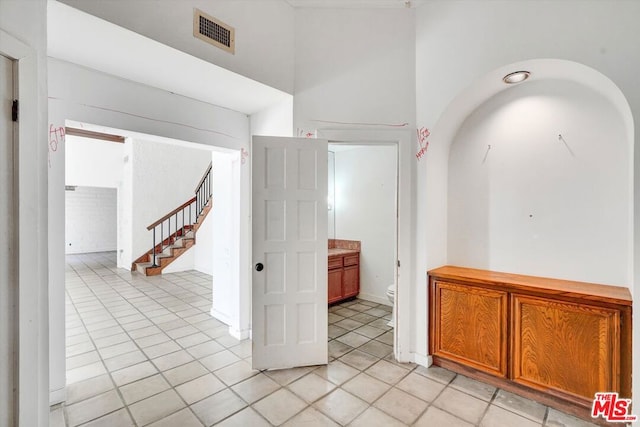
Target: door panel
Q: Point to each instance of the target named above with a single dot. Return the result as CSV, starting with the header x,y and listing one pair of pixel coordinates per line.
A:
x,y
585,336
351,281
335,285
289,300
465,316
7,260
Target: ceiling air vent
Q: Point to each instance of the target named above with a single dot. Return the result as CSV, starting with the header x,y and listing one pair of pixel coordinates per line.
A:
x,y
214,31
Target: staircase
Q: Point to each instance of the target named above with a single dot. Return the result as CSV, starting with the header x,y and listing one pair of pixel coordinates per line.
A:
x,y
185,220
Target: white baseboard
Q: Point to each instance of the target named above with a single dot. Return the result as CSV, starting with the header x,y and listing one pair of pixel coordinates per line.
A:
x,y
220,316
57,396
239,334
422,360
375,298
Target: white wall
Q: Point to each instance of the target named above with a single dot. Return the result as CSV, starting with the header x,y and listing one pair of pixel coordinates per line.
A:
x,y
264,32
88,96
91,220
354,66
450,56
331,197
203,250
365,210
537,205
225,234
164,177
23,38
274,121
125,208
93,163
184,263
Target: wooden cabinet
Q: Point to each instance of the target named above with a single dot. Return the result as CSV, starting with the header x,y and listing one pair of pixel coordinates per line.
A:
x,y
344,276
467,316
335,285
555,341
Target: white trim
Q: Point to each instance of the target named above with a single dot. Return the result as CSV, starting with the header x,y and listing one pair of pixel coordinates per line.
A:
x,y
57,396
31,217
422,360
405,273
12,47
239,334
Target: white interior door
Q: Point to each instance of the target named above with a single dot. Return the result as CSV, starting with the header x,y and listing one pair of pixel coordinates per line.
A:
x,y
289,215
7,261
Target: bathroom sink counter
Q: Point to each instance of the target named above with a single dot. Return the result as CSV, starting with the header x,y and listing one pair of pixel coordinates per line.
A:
x,y
341,252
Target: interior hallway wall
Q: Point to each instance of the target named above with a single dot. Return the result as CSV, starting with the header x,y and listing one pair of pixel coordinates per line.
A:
x,y
91,220
88,96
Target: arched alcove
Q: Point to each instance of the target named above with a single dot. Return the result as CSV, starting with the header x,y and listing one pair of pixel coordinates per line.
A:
x,y
540,183
535,203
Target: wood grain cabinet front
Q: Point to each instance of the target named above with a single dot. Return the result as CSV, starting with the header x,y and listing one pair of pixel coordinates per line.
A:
x,y
555,341
344,276
565,347
335,285
470,326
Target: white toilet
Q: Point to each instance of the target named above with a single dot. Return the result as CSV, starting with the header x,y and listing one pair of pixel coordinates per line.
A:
x,y
391,294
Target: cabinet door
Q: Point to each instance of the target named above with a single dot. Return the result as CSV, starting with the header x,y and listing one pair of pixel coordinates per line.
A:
x,y
351,281
565,347
335,285
469,326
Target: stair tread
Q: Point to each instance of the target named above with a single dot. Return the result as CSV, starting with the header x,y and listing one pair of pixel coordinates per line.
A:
x,y
184,238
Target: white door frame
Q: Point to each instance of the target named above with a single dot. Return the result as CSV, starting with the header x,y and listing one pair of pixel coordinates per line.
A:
x,y
405,241
8,277
30,165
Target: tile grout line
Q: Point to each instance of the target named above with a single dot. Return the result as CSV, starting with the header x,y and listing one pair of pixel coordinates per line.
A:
x,y
160,372
114,287
101,358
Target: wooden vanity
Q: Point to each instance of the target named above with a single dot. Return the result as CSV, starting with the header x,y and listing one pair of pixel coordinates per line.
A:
x,y
344,270
556,341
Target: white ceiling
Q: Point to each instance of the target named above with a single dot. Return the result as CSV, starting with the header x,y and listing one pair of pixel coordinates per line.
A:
x,y
352,4
84,39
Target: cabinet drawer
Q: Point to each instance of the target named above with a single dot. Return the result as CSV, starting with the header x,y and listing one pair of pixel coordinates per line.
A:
x,y
352,259
335,262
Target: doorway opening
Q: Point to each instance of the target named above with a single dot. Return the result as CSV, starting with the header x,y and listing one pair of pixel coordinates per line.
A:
x,y
362,211
138,179
363,206
293,272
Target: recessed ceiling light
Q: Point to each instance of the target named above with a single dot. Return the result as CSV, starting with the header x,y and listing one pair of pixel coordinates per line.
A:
x,y
516,77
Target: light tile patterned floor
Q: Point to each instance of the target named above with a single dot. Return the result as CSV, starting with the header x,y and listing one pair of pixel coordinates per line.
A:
x,y
144,351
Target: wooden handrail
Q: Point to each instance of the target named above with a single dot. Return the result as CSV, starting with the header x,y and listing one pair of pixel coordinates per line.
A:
x,y
204,176
173,212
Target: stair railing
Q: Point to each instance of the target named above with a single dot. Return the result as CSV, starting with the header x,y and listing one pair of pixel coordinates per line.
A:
x,y
195,206
203,191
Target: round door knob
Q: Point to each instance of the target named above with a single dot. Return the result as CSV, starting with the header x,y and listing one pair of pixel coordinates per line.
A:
x,y
259,266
